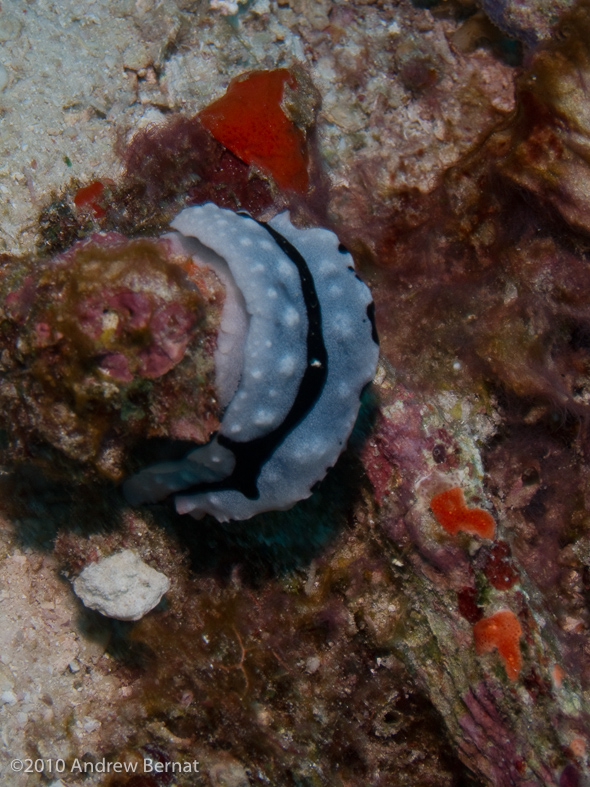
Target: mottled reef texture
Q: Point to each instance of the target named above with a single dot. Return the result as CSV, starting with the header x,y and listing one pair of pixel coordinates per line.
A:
x,y
423,618
104,346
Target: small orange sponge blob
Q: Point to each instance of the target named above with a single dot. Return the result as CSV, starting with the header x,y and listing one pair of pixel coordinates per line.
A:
x,y
453,514
90,198
500,631
249,120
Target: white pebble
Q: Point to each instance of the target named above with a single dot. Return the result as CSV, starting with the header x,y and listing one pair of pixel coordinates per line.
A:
x,y
8,698
121,586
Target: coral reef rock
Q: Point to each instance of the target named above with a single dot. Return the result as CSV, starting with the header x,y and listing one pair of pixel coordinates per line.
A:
x,y
530,22
121,586
102,346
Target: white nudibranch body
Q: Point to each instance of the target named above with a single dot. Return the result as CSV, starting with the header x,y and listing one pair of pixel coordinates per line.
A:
x,y
297,344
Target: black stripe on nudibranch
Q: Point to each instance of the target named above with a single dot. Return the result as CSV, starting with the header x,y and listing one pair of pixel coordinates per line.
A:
x,y
371,316
252,455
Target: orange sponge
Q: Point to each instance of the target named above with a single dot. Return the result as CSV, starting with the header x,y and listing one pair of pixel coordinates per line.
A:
x,y
453,514
249,120
500,631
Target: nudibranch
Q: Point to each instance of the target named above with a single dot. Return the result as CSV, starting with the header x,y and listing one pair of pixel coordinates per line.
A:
x,y
296,347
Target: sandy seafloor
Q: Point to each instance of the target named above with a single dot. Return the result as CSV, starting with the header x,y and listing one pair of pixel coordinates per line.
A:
x,y
76,81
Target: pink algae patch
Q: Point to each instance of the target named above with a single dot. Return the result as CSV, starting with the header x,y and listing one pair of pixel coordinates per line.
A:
x,y
500,632
19,302
116,365
452,513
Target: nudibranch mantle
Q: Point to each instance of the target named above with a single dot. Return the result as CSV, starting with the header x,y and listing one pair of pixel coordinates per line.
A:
x,y
298,326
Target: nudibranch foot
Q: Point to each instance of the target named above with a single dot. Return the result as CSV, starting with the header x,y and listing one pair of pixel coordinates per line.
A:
x,y
309,348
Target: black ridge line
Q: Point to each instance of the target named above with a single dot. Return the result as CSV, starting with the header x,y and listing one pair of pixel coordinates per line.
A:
x,y
371,316
253,454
